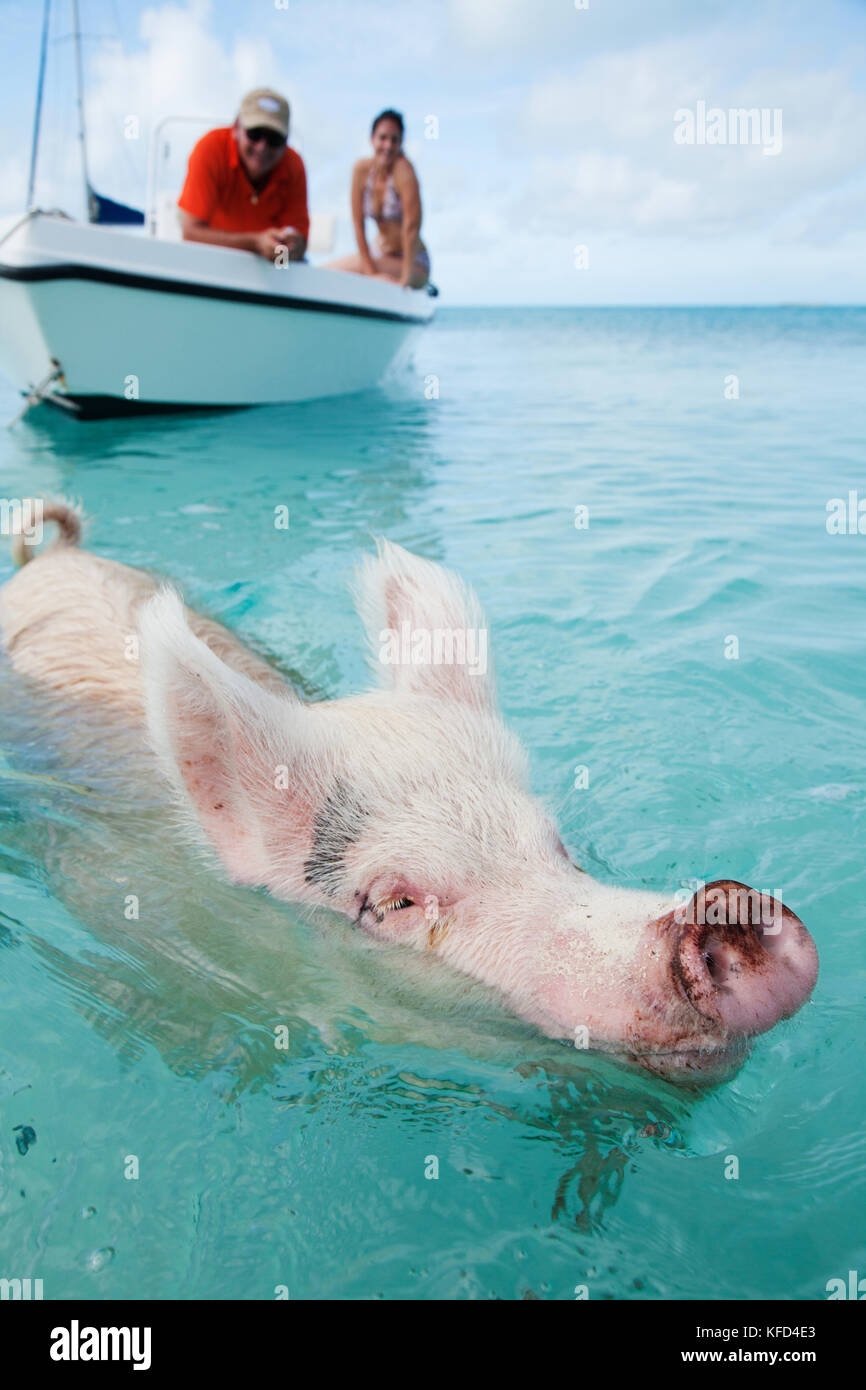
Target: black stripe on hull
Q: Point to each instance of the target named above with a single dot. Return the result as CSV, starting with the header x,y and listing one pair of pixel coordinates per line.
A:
x,y
118,407
160,284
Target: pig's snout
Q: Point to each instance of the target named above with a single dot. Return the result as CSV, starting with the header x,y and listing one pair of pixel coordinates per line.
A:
x,y
743,959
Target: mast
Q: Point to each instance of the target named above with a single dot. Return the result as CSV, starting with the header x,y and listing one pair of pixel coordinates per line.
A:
x,y
82,131
37,115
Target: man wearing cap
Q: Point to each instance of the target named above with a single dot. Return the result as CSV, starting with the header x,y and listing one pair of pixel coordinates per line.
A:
x,y
244,186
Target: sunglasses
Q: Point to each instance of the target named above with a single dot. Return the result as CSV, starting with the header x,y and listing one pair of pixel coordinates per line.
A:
x,y
273,138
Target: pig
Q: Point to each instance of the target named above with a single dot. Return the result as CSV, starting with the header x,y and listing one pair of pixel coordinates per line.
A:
x,y
406,808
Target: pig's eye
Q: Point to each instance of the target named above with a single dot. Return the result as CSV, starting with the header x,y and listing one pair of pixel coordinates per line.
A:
x,y
392,905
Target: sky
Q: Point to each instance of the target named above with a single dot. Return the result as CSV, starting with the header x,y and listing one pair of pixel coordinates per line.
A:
x,y
548,135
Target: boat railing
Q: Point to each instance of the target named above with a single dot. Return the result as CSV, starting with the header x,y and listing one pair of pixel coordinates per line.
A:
x,y
159,152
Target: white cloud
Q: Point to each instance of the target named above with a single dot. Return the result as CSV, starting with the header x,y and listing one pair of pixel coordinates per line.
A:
x,y
607,153
501,29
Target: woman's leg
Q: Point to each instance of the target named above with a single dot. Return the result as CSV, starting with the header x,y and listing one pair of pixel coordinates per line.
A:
x,y
387,268
419,274
391,268
352,263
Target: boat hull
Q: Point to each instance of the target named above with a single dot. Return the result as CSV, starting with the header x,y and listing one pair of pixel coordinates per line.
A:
x,y
134,325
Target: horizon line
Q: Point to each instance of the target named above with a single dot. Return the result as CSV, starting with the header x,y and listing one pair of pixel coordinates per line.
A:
x,y
541,304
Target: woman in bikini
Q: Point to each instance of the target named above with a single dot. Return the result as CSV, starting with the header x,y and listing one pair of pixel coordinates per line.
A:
x,y
386,189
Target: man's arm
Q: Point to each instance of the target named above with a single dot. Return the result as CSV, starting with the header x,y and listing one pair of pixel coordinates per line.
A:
x,y
296,227
296,244
263,243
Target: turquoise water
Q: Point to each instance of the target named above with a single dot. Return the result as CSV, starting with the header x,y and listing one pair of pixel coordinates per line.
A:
x,y
305,1168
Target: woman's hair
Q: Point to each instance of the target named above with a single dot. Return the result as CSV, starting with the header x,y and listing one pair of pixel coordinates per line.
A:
x,y
388,116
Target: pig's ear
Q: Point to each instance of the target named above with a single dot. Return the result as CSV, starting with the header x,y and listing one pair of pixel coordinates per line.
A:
x,y
224,742
426,629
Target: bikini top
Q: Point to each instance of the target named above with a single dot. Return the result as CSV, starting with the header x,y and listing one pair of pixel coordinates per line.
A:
x,y
392,206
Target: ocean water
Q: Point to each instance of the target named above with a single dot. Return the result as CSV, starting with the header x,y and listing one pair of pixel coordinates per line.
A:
x,y
153,1040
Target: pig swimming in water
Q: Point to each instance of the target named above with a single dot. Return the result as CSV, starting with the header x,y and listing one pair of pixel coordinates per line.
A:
x,y
406,809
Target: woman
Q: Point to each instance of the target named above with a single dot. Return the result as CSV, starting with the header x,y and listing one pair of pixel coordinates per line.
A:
x,y
386,189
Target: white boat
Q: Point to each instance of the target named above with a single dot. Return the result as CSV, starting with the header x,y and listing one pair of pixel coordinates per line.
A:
x,y
107,323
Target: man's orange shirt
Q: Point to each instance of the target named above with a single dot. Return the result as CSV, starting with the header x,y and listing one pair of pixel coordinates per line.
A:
x,y
218,192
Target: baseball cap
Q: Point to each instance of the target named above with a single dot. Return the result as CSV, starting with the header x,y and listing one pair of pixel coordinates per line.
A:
x,y
264,107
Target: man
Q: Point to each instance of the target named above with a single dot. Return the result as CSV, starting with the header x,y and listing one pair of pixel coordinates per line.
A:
x,y
245,187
